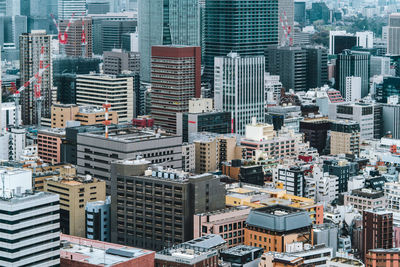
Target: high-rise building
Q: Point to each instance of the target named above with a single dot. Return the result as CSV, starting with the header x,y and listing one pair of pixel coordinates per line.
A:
x,y
353,63
74,47
74,193
340,41
286,12
345,137
112,32
97,89
68,7
176,78
226,31
319,11
156,207
118,60
317,66
30,49
173,22
394,34
377,230
300,12
239,88
365,39
95,152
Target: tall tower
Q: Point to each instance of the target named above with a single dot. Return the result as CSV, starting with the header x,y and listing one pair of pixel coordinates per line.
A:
x,y
168,22
227,30
394,34
67,7
239,88
30,45
74,46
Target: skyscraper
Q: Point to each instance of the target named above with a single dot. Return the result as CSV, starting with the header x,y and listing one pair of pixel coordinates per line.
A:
x,y
353,63
172,22
394,34
300,12
67,7
286,12
74,46
243,26
175,75
239,88
30,45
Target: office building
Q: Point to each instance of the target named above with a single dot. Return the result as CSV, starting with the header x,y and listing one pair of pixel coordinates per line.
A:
x,y
116,90
201,117
175,79
292,180
74,46
153,209
95,152
394,34
172,23
315,132
68,7
386,88
377,230
246,173
98,7
365,39
75,192
317,66
353,63
340,41
290,63
228,223
300,12
61,114
273,228
380,66
117,61
391,123
188,157
81,252
30,49
345,137
353,88
39,212
286,12
326,234
273,88
319,11
366,199
362,113
383,257
97,214
224,35
49,143
239,88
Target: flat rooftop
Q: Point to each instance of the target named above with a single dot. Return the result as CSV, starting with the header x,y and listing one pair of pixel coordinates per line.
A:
x,y
128,135
97,252
207,242
240,250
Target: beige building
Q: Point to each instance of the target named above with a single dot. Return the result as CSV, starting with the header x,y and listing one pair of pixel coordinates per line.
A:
x,y
75,192
365,199
212,150
345,137
86,115
117,90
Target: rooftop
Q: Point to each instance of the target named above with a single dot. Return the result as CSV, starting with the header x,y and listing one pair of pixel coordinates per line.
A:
x,y
52,131
367,193
207,242
279,218
97,252
129,135
241,250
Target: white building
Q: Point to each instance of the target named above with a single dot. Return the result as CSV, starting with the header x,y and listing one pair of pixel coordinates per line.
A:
x,y
365,39
380,66
332,44
97,89
14,181
394,34
392,194
273,88
30,230
353,88
8,114
327,186
239,88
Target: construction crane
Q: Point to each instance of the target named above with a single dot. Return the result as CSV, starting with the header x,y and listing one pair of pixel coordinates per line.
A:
x,y
37,89
17,93
62,36
287,30
83,35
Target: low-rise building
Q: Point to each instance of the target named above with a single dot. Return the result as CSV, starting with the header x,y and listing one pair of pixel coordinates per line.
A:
x,y
273,227
242,255
49,144
383,257
364,199
82,252
228,223
345,137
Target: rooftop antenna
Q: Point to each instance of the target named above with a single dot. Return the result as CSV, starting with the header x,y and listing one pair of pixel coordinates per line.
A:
x,y
106,121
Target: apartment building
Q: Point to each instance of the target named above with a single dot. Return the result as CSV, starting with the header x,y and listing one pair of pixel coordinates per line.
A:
x,y
345,137
392,194
75,192
118,61
365,199
86,115
383,257
154,207
49,142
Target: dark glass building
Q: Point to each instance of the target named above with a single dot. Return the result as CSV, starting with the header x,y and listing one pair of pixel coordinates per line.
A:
x,y
300,13
243,26
315,132
389,87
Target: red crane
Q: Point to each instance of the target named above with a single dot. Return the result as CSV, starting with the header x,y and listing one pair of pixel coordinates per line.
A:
x,y
62,36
